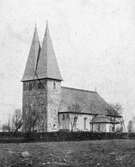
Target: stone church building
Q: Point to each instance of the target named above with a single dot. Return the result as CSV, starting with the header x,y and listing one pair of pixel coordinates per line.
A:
x,y
48,106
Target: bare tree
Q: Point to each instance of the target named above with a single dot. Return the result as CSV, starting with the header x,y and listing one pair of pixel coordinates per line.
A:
x,y
17,120
73,124
115,112
118,108
76,108
32,120
115,109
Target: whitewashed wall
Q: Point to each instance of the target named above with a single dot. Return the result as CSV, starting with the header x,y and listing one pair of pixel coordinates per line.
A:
x,y
102,127
66,121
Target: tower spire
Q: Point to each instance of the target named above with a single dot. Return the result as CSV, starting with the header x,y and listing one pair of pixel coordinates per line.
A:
x,y
31,64
47,63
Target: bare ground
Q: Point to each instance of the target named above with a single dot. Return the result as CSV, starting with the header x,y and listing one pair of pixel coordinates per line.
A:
x,y
101,153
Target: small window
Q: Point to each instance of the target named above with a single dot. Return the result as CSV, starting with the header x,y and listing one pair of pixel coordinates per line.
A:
x,y
30,86
54,85
40,85
25,86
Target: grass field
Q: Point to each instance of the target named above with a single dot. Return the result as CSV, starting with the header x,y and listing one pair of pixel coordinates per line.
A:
x,y
101,153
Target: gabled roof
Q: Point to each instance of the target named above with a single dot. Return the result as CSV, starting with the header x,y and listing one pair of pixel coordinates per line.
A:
x,y
47,66
30,67
85,101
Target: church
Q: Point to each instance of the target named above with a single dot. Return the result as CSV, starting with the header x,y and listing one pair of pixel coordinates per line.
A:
x,y
48,106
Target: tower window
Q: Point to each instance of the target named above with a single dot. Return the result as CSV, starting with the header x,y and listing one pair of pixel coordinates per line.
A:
x,y
30,86
54,85
40,85
25,86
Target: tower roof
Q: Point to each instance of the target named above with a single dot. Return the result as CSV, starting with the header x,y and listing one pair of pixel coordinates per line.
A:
x,y
42,63
47,66
31,64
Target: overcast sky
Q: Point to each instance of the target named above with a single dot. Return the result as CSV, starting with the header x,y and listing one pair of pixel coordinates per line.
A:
x,y
94,42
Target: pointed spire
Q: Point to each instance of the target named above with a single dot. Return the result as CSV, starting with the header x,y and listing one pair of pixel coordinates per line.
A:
x,y
31,64
47,63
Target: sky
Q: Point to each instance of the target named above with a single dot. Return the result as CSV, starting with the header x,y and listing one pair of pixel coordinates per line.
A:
x,y
94,42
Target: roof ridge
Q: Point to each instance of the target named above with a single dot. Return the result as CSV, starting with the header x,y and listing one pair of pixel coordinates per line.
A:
x,y
78,89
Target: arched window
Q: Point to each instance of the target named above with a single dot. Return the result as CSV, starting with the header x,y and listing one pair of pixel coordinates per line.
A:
x,y
99,127
75,122
85,119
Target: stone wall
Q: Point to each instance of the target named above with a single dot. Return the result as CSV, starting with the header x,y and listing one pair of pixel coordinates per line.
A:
x,y
42,97
34,100
53,103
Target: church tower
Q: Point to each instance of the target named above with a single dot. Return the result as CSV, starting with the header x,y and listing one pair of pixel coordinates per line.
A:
x,y
41,86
